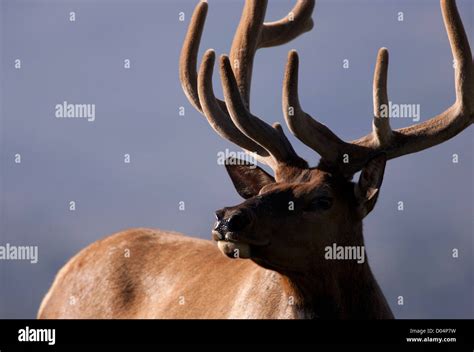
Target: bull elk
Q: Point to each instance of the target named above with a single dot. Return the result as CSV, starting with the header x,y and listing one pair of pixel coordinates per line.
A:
x,y
276,238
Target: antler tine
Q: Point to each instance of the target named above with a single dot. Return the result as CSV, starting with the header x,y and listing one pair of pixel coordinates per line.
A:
x,y
311,132
245,44
189,52
262,35
382,139
248,39
381,124
285,30
271,138
200,94
452,121
216,110
464,68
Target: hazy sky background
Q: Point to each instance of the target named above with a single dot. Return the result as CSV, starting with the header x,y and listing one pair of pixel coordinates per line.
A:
x,y
173,158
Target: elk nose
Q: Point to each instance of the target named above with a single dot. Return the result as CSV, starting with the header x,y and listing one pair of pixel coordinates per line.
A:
x,y
237,221
219,226
219,219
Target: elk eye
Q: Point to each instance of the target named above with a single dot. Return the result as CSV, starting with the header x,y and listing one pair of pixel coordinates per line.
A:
x,y
320,203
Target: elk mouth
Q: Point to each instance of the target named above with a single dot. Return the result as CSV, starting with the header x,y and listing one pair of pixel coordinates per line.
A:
x,y
235,245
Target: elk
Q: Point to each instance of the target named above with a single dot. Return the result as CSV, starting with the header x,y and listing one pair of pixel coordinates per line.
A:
x,y
274,263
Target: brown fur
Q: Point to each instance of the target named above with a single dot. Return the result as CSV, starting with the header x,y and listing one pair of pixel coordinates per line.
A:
x,y
144,273
163,269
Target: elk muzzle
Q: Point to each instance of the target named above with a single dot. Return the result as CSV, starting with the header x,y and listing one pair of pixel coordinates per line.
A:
x,y
232,232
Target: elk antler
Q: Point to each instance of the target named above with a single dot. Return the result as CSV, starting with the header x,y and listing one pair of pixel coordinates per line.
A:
x,y
382,139
238,125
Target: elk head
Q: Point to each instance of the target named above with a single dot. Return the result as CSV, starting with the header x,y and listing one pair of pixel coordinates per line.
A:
x,y
287,220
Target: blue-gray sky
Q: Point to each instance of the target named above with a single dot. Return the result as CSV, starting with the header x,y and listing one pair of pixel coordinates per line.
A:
x,y
173,158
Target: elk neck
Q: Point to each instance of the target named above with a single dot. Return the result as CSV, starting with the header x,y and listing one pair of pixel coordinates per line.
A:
x,y
340,289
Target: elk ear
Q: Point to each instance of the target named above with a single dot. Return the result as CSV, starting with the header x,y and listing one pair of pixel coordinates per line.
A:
x,y
248,179
367,189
